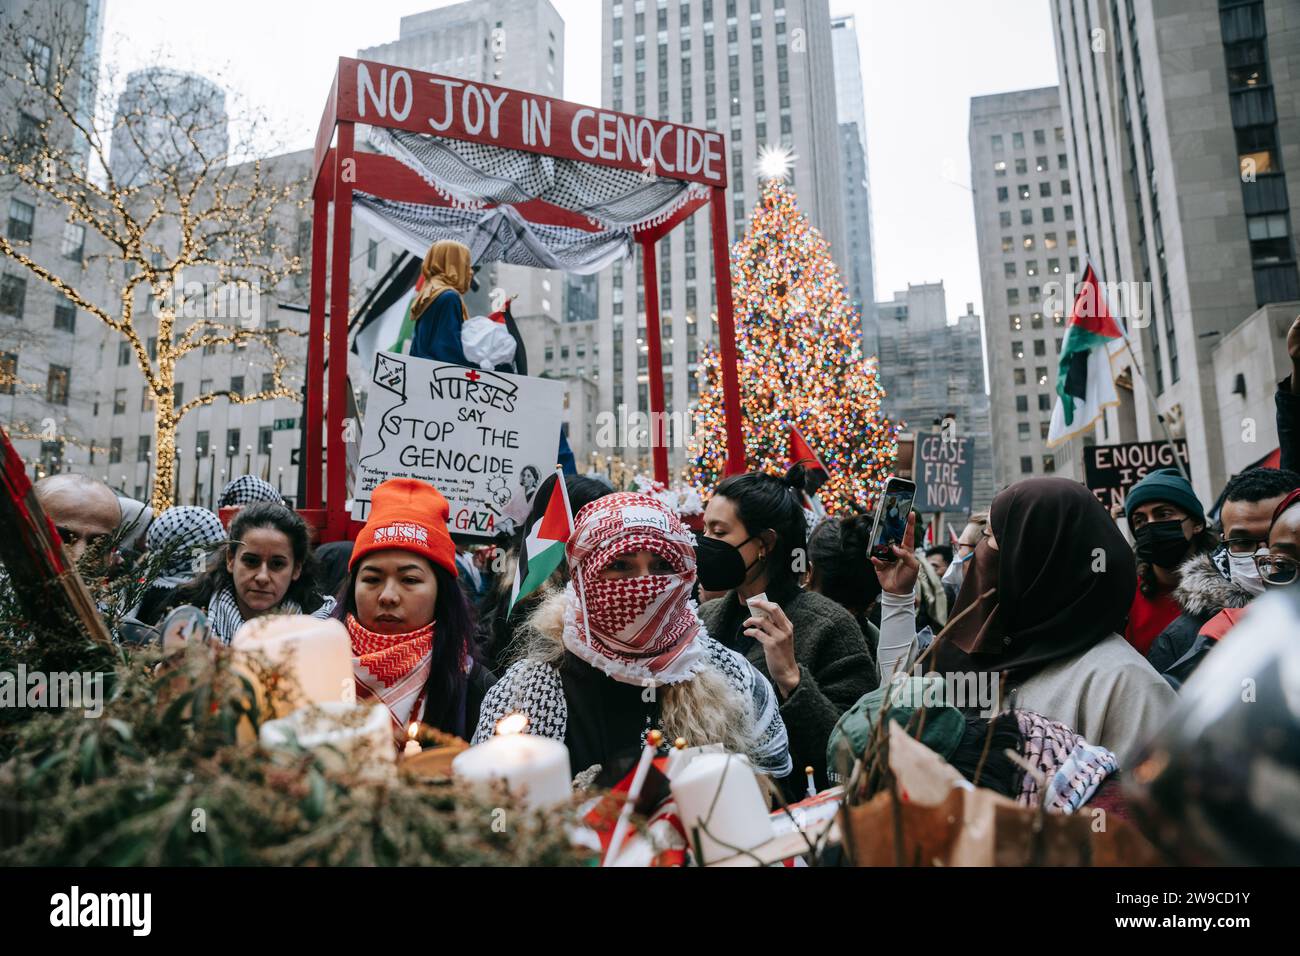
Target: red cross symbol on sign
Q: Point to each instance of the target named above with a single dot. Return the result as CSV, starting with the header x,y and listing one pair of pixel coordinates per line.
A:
x,y
473,375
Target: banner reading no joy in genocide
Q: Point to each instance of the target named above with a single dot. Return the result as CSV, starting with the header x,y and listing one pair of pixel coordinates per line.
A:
x,y
944,471
484,439
1111,470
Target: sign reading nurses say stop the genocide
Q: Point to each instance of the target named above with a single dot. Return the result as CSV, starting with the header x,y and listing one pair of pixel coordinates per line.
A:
x,y
484,439
462,109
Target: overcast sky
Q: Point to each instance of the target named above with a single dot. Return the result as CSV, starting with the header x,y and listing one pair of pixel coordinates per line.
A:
x,y
922,62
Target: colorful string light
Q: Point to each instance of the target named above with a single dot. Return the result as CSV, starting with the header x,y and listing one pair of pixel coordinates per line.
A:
x,y
798,339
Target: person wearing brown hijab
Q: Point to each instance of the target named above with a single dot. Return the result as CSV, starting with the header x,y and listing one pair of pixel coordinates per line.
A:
x,y
1044,604
439,310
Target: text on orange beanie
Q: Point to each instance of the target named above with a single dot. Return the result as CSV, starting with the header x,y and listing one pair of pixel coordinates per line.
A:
x,y
407,515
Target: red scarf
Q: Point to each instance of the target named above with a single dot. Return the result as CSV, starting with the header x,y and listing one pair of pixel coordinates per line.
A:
x,y
393,668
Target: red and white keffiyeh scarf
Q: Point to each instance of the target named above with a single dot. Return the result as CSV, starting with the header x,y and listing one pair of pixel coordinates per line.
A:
x,y
393,668
638,630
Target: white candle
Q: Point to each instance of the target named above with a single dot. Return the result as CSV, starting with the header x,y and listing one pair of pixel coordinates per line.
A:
x,y
537,767
718,791
412,748
316,654
343,735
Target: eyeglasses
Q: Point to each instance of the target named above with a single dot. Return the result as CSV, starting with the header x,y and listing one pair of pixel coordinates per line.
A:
x,y
1244,546
1277,570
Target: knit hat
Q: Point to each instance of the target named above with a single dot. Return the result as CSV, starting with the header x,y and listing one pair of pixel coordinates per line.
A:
x,y
408,515
1282,505
1165,484
247,489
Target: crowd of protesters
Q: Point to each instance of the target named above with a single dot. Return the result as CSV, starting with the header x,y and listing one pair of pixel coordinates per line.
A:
x,y
758,632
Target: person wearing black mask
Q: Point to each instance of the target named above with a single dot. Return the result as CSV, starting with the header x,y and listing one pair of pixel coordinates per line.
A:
x,y
809,647
1168,526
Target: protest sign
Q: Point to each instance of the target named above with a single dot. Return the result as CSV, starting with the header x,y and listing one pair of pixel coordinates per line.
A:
x,y
1111,470
484,439
944,471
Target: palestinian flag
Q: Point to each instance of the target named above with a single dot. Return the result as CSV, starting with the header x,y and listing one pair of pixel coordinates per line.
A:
x,y
800,453
543,546
1085,384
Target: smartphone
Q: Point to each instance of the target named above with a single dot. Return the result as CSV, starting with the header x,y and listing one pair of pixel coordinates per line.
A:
x,y
891,516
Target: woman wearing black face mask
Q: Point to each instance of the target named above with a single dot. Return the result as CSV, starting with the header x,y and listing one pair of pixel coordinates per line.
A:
x,y
1168,525
809,647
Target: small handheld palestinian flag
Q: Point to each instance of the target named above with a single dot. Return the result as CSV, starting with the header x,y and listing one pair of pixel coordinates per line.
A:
x,y
800,453
544,540
1085,383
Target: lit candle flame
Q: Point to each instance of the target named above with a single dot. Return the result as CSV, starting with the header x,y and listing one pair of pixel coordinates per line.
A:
x,y
413,731
512,724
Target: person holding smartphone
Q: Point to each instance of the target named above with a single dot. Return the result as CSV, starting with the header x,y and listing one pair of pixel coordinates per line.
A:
x,y
754,548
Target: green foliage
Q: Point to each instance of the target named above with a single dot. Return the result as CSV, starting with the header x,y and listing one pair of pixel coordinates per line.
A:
x,y
166,777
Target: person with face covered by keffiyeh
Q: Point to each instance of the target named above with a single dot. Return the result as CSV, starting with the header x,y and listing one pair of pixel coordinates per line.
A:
x,y
184,539
1044,605
622,651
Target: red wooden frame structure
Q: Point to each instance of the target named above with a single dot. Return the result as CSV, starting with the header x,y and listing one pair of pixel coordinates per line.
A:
x,y
383,95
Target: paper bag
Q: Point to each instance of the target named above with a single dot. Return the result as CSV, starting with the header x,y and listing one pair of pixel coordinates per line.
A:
x,y
940,819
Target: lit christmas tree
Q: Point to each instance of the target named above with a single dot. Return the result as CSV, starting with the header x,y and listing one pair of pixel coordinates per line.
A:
x,y
798,340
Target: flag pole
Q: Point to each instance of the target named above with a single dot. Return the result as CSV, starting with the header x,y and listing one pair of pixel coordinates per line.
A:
x,y
1137,370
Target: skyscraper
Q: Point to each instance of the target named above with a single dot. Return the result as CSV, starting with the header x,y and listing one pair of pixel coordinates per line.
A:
x,y
1026,232
517,44
856,259
167,117
1180,121
761,72
932,369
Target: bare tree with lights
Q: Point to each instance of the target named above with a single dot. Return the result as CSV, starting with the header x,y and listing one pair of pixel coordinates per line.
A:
x,y
178,249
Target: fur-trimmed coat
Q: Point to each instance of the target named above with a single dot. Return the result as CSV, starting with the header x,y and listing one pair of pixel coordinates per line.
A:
x,y
1203,591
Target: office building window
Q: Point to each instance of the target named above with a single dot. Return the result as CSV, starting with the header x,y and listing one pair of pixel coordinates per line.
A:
x,y
1022,167
119,401
1017,350
1017,140
1040,348
1009,269
1027,242
115,451
1040,164
1044,402
1049,214
1039,137
1015,321
142,448
237,385
73,244
1004,219
201,443
56,384
1022,431
1000,168
1049,240
13,295
22,217
1023,190
1022,403
1044,190
1008,243
1049,464
1031,268
1002,194
1019,375
1026,217
65,317
1013,297
1043,429
1026,465
1065,187
265,436
1054,266
997,142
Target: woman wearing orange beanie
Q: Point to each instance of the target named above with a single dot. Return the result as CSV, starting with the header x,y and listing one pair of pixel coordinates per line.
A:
x,y
411,629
